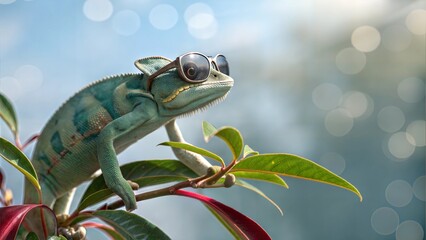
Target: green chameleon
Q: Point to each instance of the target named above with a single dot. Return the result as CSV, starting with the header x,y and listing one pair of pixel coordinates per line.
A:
x,y
106,117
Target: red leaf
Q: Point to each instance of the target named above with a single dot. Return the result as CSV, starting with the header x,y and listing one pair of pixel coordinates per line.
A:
x,y
12,217
241,224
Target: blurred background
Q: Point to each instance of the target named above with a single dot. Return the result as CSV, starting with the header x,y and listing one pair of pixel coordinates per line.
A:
x,y
339,82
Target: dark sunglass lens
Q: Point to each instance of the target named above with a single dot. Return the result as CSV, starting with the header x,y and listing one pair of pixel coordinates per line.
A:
x,y
195,67
222,64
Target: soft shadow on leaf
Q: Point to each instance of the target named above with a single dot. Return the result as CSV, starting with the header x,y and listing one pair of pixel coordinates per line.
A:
x,y
270,178
131,226
230,135
8,114
16,158
240,226
145,173
293,166
12,217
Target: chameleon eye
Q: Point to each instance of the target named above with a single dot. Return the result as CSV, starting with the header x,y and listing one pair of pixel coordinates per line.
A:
x,y
195,67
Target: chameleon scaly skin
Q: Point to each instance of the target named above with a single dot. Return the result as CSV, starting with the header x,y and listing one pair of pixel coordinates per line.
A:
x,y
106,117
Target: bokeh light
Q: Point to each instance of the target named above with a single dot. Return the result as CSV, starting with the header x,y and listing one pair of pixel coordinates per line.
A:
x,y
365,38
163,16
416,21
400,145
419,188
350,61
98,10
409,230
333,162
390,119
384,220
196,8
399,193
201,21
396,38
126,22
11,36
326,96
339,122
417,129
357,103
411,90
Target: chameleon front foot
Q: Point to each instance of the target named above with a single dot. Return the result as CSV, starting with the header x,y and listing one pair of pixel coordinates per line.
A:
x,y
124,189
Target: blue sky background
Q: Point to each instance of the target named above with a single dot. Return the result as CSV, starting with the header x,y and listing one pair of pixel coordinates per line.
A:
x,y
339,82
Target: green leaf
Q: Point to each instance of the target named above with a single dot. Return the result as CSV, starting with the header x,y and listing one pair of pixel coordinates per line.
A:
x,y
130,226
195,149
8,114
208,130
293,166
271,178
230,135
248,151
31,236
112,233
14,156
145,173
248,186
81,217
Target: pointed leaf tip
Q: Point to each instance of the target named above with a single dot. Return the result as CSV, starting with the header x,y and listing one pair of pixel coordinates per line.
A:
x,y
208,130
8,114
248,186
17,158
249,151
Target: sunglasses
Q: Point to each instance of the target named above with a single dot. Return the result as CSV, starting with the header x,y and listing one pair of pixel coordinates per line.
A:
x,y
193,67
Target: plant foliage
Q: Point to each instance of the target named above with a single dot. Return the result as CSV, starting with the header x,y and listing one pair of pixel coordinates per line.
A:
x,y
246,163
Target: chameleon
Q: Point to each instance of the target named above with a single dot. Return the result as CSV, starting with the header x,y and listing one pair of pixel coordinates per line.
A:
x,y
100,121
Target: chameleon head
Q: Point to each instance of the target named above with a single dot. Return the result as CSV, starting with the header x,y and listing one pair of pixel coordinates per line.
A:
x,y
191,82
